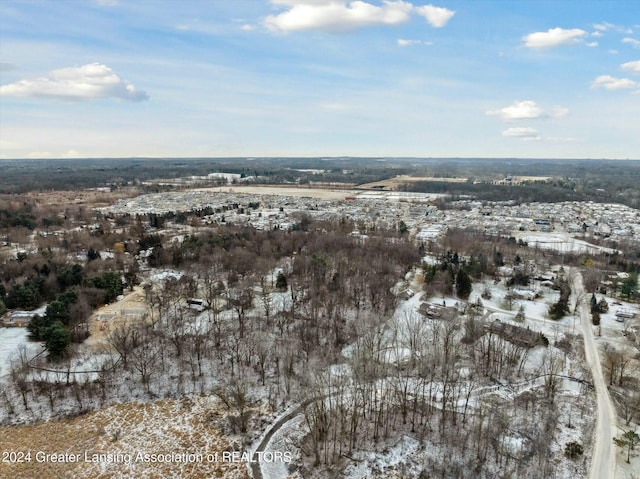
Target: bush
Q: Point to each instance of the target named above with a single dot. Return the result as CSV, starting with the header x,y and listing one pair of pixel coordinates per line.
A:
x,y
559,309
281,281
573,450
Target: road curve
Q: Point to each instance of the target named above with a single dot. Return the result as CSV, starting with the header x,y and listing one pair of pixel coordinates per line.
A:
x,y
603,461
256,468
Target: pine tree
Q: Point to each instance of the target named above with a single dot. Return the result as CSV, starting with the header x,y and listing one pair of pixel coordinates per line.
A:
x,y
463,284
56,340
281,281
629,439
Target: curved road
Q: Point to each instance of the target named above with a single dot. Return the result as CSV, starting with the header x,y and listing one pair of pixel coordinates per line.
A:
x,y
256,465
256,469
603,464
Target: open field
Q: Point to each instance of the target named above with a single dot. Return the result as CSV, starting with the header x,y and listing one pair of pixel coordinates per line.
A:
x,y
520,179
128,432
130,309
89,198
394,183
323,193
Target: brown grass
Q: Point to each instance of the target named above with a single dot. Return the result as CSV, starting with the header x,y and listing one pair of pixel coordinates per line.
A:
x,y
392,184
100,329
162,427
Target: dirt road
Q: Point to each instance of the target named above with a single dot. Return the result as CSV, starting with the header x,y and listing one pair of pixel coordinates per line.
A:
x,y
603,465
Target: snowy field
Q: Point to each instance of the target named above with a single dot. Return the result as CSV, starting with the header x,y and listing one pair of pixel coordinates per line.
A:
x,y
161,439
562,242
10,340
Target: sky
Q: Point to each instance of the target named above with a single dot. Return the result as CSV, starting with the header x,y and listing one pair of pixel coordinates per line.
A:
x,y
259,78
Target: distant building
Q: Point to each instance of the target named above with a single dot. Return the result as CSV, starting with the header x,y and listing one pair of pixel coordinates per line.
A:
x,y
18,319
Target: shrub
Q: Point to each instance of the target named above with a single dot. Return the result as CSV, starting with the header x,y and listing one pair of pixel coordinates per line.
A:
x,y
573,450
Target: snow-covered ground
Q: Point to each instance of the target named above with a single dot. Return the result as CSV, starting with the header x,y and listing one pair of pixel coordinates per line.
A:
x,y
10,341
161,439
559,241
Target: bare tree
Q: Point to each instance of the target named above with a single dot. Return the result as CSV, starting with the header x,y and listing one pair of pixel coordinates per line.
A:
x,y
144,356
617,363
19,375
552,366
124,339
234,394
241,299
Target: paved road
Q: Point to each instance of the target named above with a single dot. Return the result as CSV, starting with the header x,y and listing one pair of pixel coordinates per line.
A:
x,y
603,465
256,467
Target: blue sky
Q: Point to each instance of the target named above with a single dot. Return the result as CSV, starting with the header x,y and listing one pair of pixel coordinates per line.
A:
x,y
474,78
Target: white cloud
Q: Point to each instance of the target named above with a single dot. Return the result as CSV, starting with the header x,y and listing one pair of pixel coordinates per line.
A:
x,y
88,82
337,16
596,34
436,16
604,26
631,41
631,66
345,15
553,37
72,154
592,44
292,3
520,110
524,133
39,154
611,83
407,43
402,42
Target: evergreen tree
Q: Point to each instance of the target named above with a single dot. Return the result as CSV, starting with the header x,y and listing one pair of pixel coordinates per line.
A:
x,y
603,306
463,284
629,289
37,326
56,340
629,439
281,281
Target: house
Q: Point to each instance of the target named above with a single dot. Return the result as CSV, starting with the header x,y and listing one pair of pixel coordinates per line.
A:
x,y
19,319
430,310
197,304
624,313
516,334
